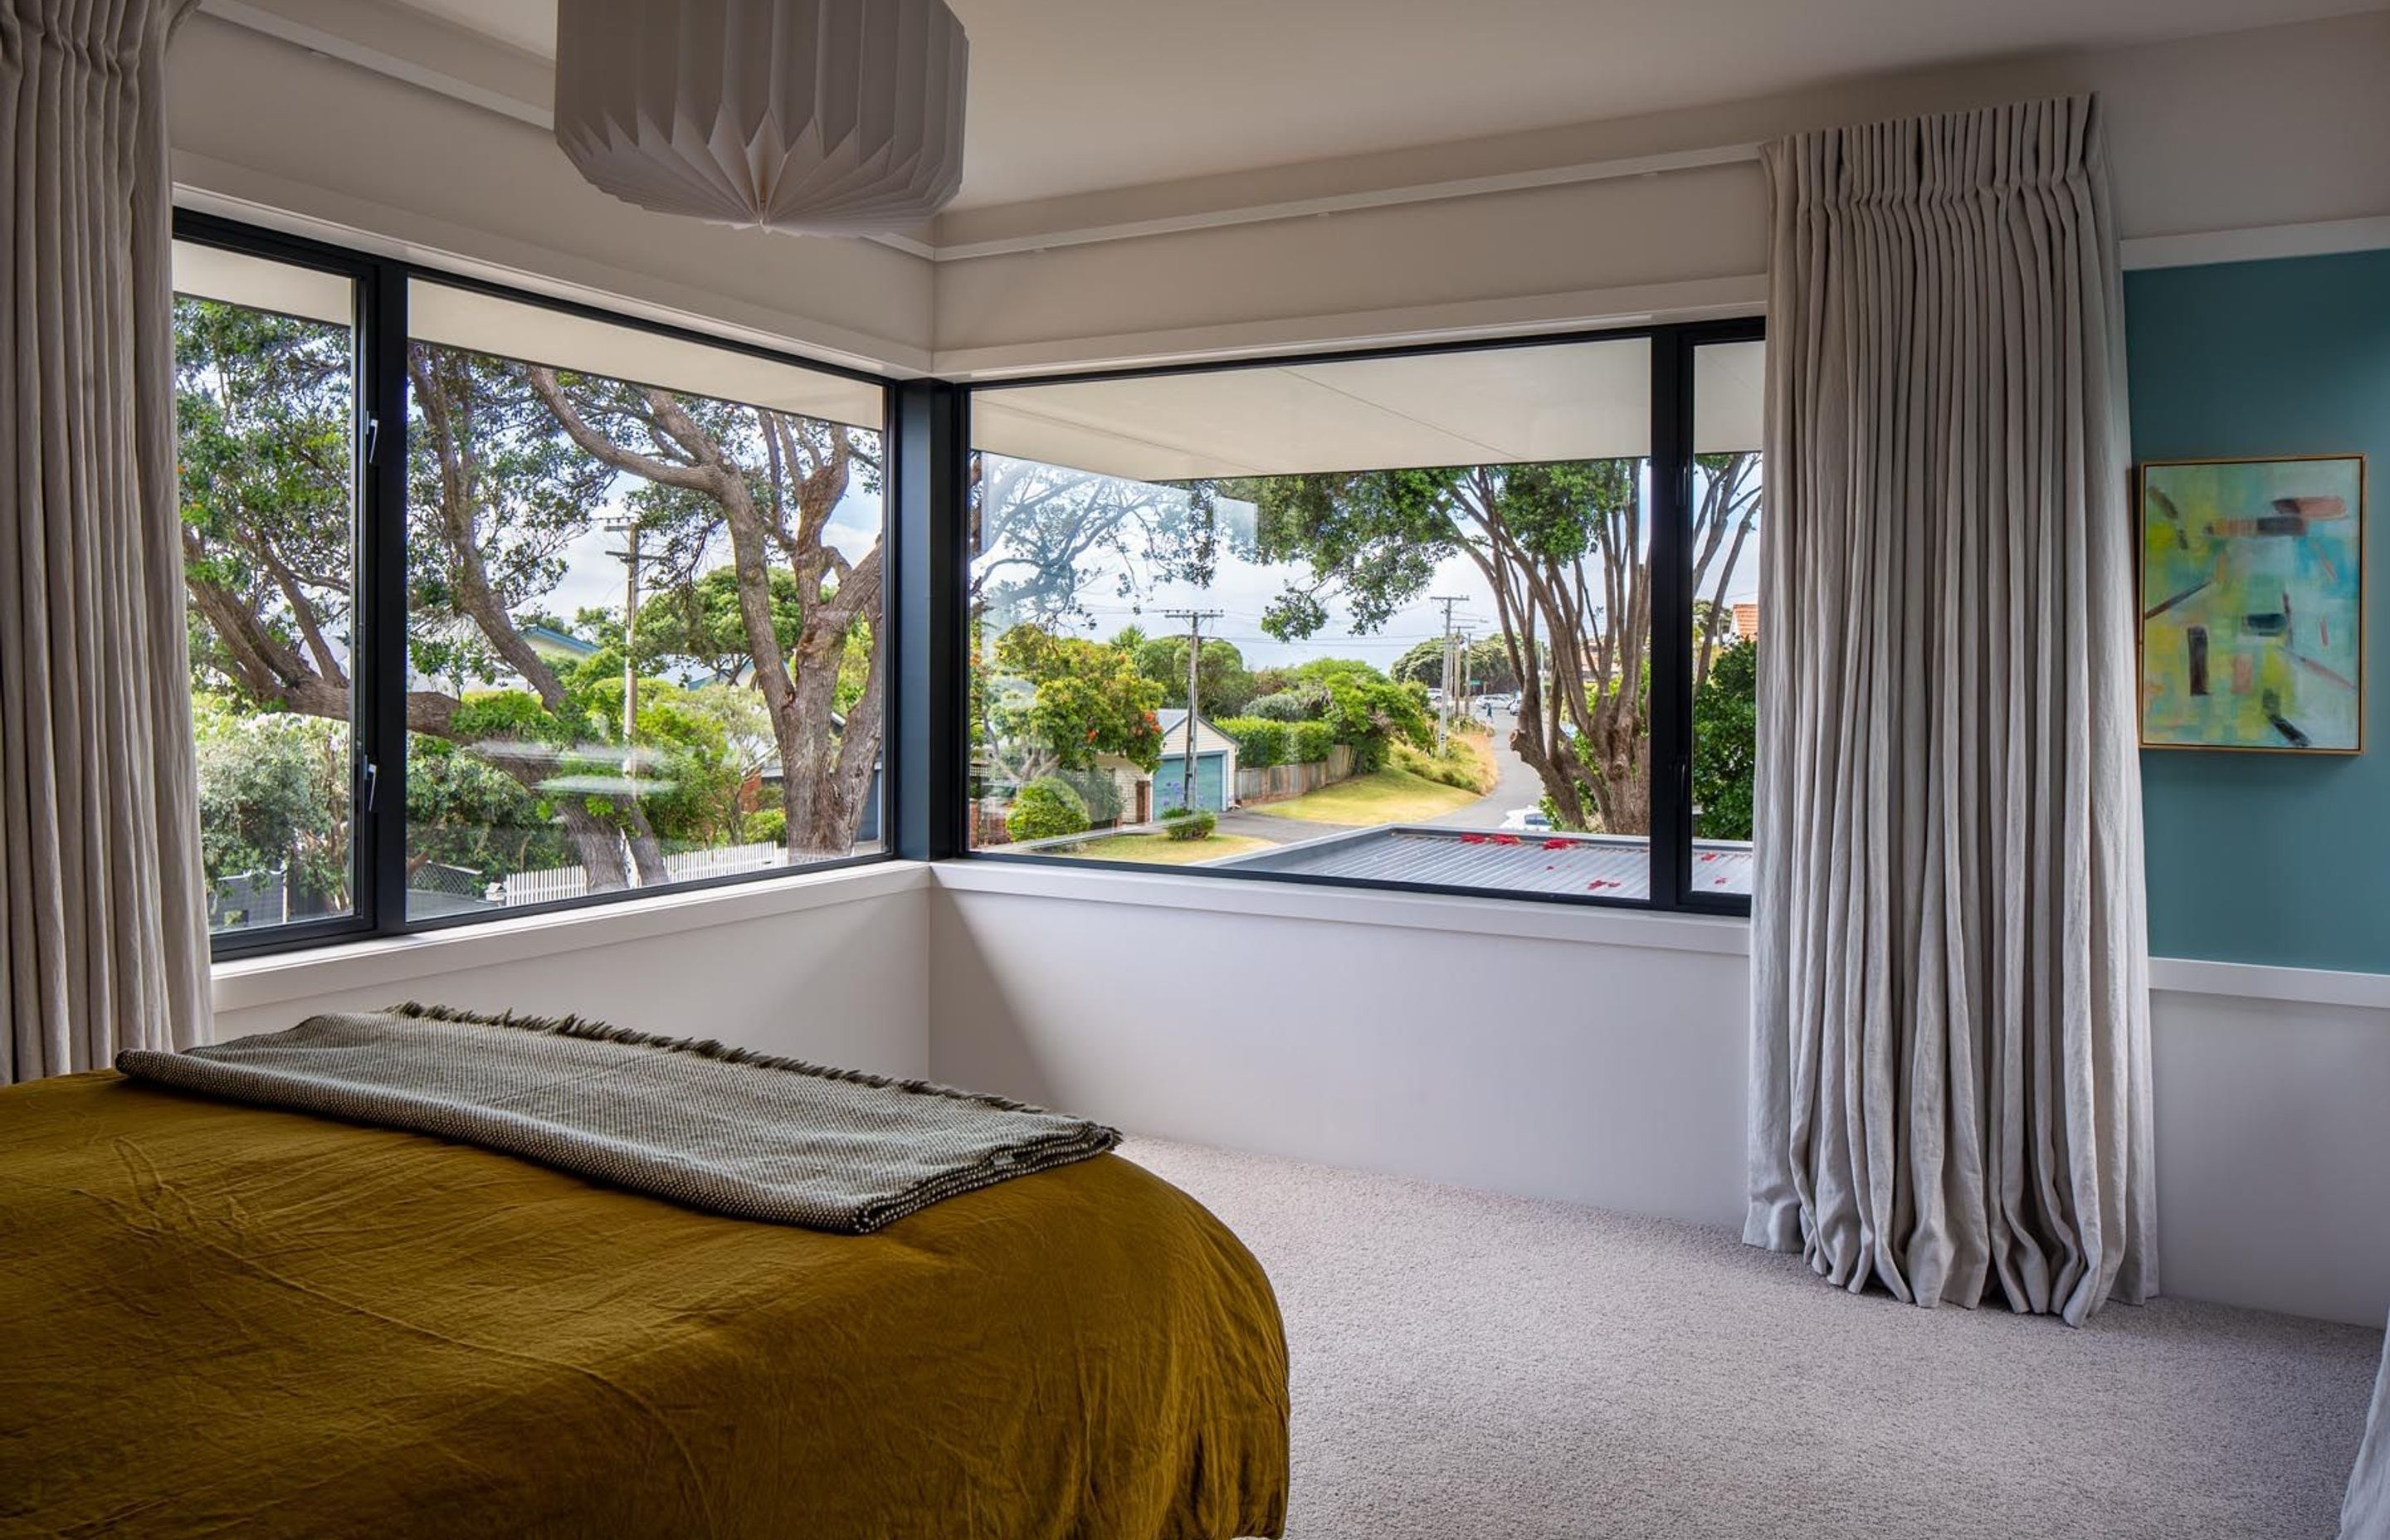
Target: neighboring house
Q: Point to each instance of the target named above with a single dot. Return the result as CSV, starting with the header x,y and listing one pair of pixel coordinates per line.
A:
x,y
1746,622
1145,797
560,650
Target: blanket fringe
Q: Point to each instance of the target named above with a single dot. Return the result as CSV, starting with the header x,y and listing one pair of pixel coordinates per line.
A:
x,y
704,1047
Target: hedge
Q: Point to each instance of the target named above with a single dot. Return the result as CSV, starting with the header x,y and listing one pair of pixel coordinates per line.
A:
x,y
1261,743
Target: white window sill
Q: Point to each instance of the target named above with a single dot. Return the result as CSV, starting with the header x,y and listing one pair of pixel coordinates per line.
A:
x,y
1449,913
243,982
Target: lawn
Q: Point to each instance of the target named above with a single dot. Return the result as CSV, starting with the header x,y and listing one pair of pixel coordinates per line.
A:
x,y
1162,849
1388,796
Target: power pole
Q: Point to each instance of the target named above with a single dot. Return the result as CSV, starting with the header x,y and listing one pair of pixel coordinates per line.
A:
x,y
1444,711
1194,618
629,556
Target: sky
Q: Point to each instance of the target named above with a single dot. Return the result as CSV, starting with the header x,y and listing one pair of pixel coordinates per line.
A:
x,y
1243,590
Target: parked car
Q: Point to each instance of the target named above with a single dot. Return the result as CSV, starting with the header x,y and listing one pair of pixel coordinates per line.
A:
x,y
1526,818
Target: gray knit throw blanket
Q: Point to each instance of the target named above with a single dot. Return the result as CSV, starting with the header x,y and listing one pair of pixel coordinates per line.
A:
x,y
713,1127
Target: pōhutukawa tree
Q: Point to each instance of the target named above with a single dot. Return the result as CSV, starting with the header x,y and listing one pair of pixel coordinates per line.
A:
x,y
510,463
766,483
1564,550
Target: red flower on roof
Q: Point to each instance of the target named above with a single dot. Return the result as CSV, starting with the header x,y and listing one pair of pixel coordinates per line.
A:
x,y
1559,844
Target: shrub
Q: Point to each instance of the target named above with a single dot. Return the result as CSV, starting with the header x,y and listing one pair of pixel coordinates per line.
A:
x,y
1046,808
1170,814
1189,825
1304,703
768,828
1259,742
1308,742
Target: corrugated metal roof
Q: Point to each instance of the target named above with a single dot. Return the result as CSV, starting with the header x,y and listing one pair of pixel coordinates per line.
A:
x,y
1608,867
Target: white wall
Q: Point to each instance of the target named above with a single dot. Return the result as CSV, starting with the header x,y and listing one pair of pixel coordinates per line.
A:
x,y
2276,127
1594,1058
826,968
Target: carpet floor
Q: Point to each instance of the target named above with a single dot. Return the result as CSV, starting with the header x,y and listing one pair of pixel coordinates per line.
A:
x,y
1466,1364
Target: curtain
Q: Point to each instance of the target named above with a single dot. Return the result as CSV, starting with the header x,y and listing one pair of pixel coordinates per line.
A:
x,y
1950,1067
103,927
2364,1511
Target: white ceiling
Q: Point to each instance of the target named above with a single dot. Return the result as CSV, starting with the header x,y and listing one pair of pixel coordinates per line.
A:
x,y
1076,95
1498,405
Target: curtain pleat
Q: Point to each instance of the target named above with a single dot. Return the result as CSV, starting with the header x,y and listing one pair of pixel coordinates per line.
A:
x,y
1951,1079
103,915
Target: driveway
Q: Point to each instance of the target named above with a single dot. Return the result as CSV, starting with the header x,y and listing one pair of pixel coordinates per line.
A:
x,y
1520,785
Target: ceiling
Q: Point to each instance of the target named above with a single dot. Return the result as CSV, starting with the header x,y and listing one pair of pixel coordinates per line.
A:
x,y
1076,95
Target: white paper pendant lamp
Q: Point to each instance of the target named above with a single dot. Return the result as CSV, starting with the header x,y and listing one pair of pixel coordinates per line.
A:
x,y
826,117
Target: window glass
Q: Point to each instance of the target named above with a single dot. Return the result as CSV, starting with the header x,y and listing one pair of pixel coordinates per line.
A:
x,y
1385,618
1728,394
645,630
266,422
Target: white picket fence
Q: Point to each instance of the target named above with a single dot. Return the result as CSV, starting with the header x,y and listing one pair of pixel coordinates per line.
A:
x,y
554,883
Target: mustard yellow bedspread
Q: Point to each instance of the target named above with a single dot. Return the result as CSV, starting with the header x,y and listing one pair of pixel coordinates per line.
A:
x,y
222,1320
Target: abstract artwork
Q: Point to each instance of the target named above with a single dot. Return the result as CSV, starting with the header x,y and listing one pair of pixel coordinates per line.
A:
x,y
2253,577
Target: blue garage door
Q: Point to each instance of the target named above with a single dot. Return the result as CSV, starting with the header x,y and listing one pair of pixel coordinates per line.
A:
x,y
1211,777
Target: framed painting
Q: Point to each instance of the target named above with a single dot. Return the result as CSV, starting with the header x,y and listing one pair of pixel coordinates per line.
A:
x,y
2253,604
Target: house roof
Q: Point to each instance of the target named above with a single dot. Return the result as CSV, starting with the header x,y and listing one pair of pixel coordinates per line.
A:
x,y
1528,862
563,641
1171,718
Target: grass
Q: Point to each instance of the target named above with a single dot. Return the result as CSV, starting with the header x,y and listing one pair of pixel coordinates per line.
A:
x,y
1162,849
1388,796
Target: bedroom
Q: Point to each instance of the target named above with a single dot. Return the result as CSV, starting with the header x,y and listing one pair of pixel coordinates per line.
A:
x,y
796,640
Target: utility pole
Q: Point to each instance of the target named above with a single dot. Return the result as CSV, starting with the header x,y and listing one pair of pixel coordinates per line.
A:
x,y
1194,618
629,556
1444,711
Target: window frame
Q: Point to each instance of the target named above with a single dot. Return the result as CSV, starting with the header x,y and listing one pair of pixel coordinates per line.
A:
x,y
1673,348
378,673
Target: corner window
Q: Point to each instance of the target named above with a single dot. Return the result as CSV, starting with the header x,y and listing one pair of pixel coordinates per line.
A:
x,y
645,623
497,604
1383,620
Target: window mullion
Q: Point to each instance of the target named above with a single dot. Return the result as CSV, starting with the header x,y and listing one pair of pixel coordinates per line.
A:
x,y
1672,616
382,681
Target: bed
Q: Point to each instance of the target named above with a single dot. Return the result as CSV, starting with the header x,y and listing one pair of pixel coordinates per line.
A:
x,y
219,1320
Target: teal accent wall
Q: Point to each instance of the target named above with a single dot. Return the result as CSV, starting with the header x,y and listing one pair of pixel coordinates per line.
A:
x,y
2261,857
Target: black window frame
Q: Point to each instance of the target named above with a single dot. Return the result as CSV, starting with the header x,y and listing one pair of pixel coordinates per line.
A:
x,y
1674,346
378,714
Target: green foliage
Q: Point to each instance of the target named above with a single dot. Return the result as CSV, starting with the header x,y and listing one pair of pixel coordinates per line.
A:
x,y
1303,703
1193,826
1486,667
1457,766
1725,744
1308,742
769,827
1370,712
462,811
1220,676
1089,699
1259,740
1046,808
273,795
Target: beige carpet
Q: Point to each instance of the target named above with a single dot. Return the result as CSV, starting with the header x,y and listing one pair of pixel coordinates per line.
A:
x,y
1472,1365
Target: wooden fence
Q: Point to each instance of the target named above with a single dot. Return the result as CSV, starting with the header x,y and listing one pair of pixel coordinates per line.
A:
x,y
1276,783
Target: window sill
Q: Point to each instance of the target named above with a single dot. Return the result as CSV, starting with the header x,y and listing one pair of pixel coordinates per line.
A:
x,y
241,983
1449,913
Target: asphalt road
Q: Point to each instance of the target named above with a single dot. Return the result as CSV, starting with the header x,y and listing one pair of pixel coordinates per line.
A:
x,y
1520,786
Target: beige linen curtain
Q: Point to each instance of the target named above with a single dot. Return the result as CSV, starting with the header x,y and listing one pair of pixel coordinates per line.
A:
x,y
103,930
1950,1073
